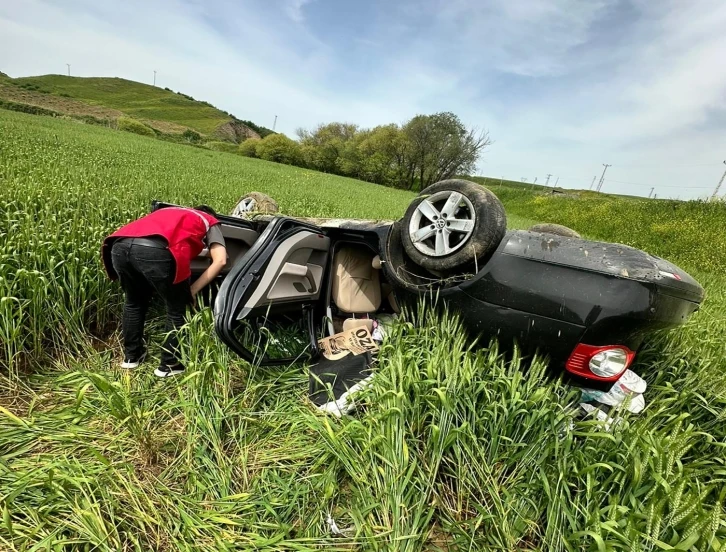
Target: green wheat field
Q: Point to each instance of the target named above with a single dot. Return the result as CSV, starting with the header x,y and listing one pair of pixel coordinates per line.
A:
x,y
455,447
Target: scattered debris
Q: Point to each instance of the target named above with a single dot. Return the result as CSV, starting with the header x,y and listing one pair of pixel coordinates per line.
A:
x,y
626,393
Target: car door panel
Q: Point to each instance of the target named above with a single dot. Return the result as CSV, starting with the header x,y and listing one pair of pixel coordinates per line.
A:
x,y
280,278
295,271
238,240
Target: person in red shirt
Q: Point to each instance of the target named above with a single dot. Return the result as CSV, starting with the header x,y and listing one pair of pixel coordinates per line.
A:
x,y
153,255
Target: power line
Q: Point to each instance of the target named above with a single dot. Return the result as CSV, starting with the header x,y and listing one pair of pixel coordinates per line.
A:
x,y
718,186
602,178
670,166
658,186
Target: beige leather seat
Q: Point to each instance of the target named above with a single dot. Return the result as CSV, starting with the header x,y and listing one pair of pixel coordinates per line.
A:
x,y
356,284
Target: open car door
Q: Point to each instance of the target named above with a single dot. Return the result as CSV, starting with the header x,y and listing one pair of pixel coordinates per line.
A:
x,y
267,304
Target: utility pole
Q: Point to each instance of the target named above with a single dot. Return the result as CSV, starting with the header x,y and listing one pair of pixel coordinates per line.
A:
x,y
154,77
69,69
593,181
651,192
535,181
548,180
274,124
556,181
602,178
718,186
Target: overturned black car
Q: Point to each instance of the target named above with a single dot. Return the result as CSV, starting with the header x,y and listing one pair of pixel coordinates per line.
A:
x,y
588,305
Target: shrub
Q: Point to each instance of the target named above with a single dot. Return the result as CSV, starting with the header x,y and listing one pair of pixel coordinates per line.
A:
x,y
222,146
279,148
132,125
27,108
192,136
248,148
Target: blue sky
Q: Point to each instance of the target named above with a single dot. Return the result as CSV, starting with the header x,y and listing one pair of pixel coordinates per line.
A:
x,y
562,86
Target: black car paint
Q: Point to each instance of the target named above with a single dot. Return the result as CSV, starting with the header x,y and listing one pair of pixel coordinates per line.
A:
x,y
548,293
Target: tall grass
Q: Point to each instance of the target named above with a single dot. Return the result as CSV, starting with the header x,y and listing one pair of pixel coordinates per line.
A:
x,y
455,447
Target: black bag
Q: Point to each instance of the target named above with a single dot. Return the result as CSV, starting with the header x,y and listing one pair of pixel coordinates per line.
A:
x,y
331,379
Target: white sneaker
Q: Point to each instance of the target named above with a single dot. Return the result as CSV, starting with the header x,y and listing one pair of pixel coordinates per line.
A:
x,y
167,371
130,364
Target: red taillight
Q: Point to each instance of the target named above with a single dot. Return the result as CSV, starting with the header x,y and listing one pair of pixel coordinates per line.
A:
x,y
581,357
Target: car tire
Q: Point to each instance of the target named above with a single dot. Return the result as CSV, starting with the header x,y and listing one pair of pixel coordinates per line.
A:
x,y
556,229
427,233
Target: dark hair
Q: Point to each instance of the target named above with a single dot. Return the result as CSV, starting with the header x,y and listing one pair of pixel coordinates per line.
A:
x,y
206,209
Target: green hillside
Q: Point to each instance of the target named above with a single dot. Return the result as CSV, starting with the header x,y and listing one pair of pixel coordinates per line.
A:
x,y
139,100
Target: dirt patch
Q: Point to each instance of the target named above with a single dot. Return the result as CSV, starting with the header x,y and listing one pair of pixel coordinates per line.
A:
x,y
60,104
165,127
235,131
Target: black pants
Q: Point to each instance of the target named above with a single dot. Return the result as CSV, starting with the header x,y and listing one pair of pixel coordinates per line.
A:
x,y
144,270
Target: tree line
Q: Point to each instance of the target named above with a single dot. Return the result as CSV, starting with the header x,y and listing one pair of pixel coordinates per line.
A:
x,y
424,150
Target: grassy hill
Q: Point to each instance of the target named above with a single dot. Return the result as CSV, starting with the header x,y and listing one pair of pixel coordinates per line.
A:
x,y
453,449
139,100
161,108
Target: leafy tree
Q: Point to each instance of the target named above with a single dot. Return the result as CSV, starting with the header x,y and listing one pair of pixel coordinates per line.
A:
x,y
384,155
426,149
322,147
441,147
278,148
248,148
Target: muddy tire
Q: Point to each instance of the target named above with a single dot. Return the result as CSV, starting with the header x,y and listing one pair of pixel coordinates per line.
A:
x,y
556,229
452,224
255,203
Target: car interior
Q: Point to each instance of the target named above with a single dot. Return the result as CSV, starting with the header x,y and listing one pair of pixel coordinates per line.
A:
x,y
237,240
358,289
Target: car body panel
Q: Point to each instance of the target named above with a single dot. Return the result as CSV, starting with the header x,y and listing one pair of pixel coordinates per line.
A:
x,y
543,292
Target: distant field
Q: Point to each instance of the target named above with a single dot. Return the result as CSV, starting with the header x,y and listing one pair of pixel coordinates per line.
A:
x,y
453,449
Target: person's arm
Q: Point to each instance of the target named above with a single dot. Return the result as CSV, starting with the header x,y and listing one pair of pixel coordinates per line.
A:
x,y
219,259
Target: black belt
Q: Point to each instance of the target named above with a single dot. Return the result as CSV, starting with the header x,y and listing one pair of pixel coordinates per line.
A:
x,y
158,243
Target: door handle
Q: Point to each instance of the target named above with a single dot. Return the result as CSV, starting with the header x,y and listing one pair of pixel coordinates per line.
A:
x,y
301,271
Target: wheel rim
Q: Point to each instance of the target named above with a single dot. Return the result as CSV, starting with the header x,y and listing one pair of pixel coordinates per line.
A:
x,y
247,205
442,223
